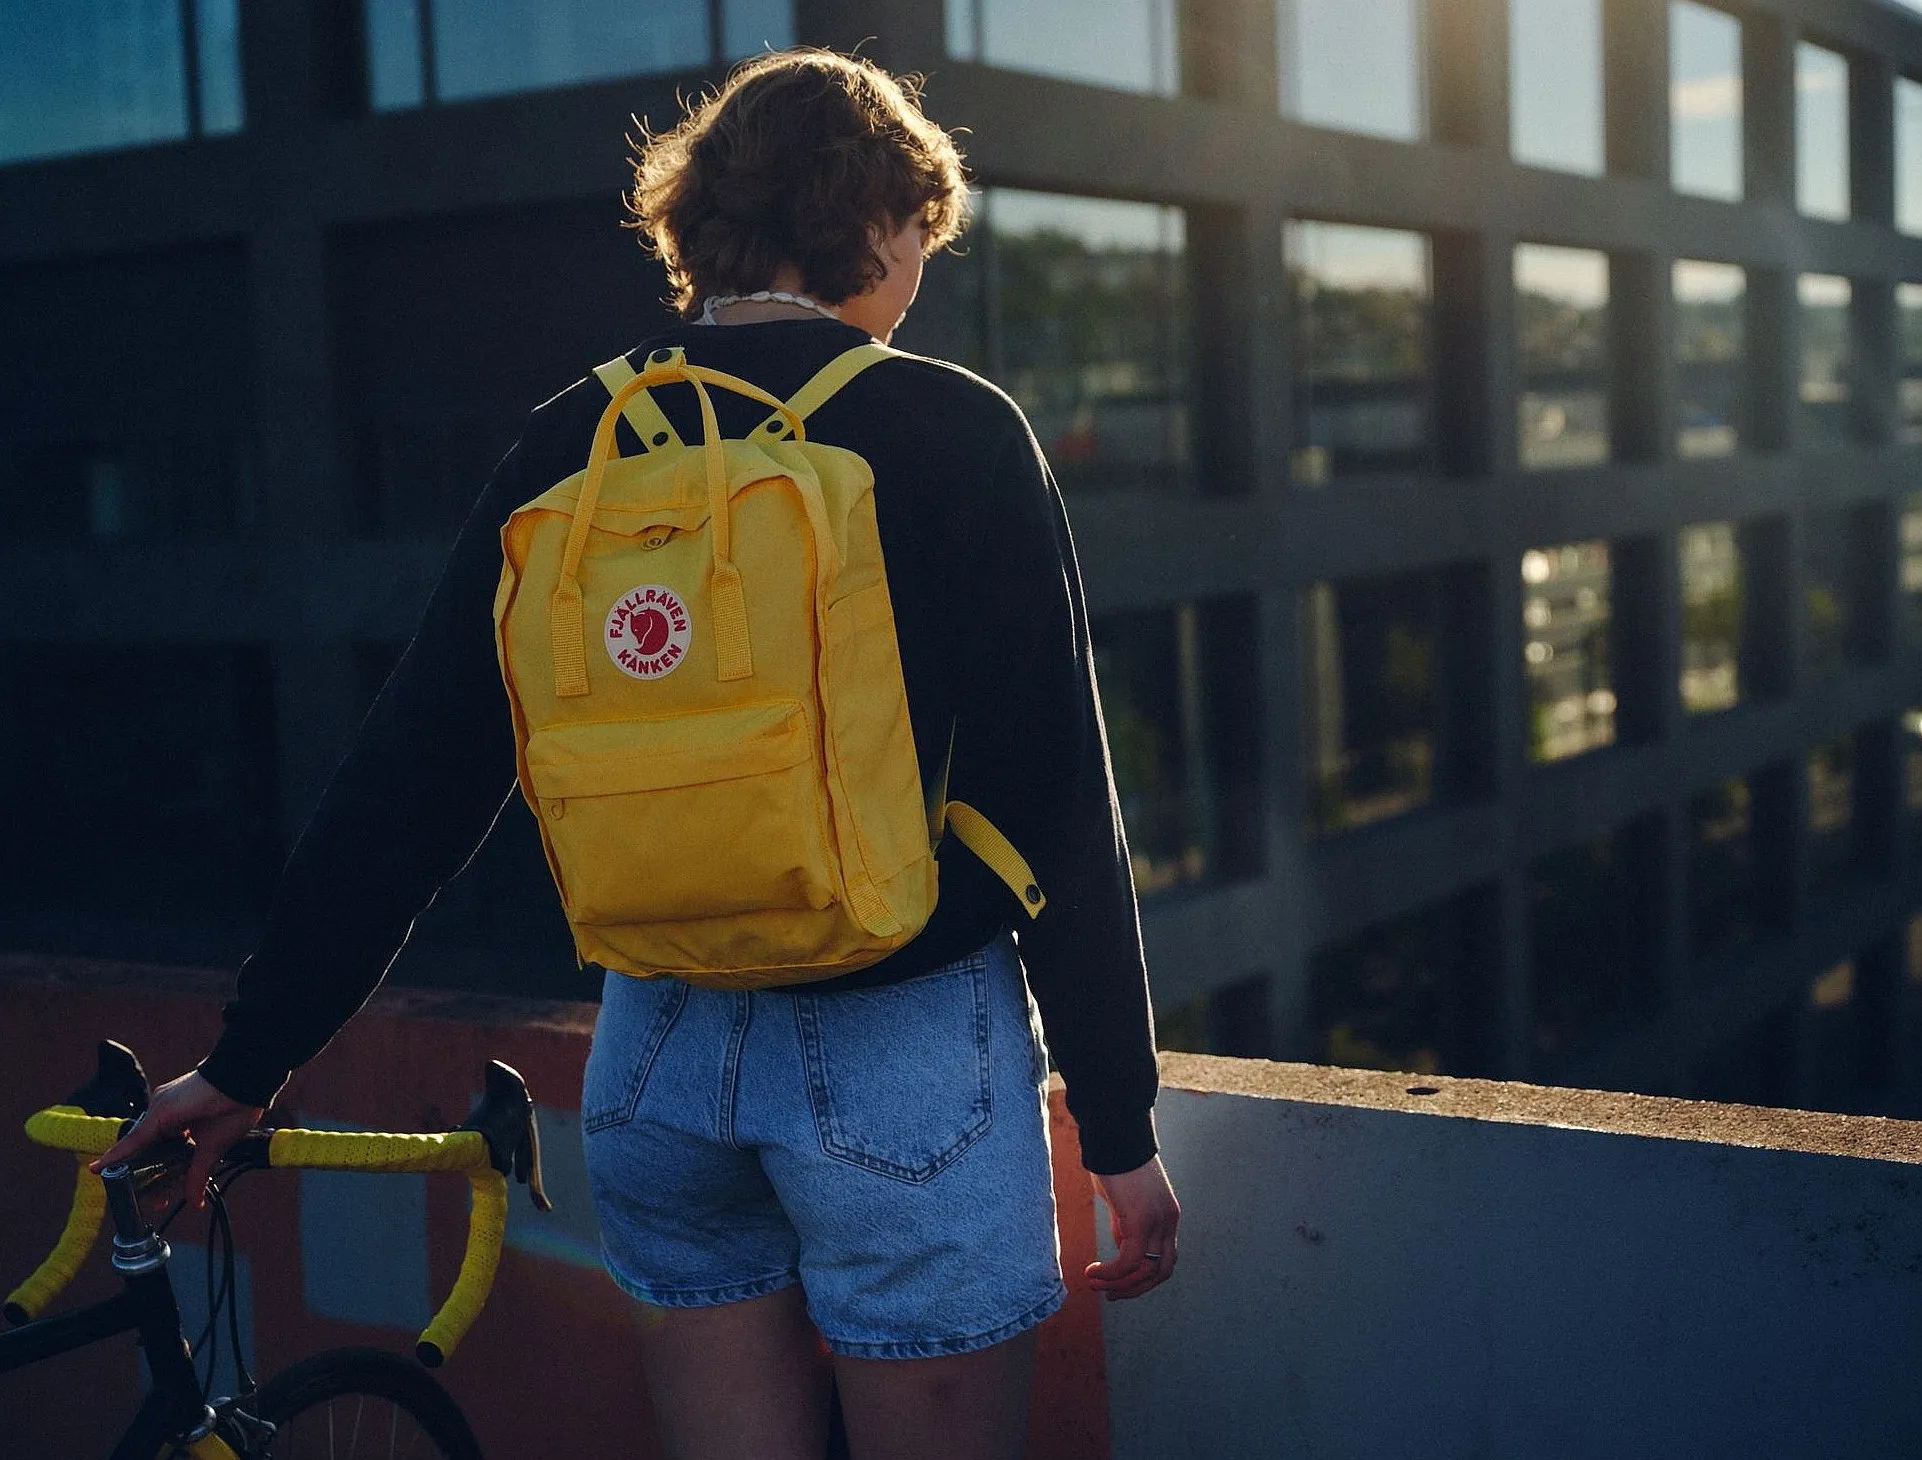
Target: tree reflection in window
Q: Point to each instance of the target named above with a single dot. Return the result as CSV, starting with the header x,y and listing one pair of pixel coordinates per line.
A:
x,y
1908,310
1591,927
1823,411
1833,850
1709,356
1561,318
1722,887
1398,996
1567,610
1713,603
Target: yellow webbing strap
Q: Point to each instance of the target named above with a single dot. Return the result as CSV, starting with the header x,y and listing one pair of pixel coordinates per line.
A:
x,y
31,1298
984,839
827,380
647,419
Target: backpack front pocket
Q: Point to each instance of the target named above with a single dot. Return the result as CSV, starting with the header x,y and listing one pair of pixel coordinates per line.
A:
x,y
690,816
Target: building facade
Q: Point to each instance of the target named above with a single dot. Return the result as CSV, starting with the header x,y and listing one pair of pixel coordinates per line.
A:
x,y
1491,432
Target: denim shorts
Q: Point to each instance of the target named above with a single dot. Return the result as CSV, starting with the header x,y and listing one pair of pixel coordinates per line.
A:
x,y
886,1148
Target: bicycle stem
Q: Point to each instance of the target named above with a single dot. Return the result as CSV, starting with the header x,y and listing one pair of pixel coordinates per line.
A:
x,y
137,1248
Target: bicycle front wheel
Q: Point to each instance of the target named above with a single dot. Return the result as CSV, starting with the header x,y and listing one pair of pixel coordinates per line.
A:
x,y
361,1403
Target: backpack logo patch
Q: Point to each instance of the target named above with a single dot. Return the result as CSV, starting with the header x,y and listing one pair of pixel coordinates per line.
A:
x,y
647,631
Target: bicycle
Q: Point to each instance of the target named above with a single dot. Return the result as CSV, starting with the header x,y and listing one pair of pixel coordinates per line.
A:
x,y
180,1419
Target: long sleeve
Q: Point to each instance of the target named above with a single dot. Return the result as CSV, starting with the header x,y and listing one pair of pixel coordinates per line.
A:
x,y
1031,754
417,792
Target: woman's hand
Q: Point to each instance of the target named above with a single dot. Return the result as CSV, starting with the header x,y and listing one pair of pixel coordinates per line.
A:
x,y
1143,1217
188,1107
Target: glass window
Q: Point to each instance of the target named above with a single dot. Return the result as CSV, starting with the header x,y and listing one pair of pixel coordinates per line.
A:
x,y
1121,43
86,75
1908,155
1712,606
1181,725
1723,891
495,47
1709,356
1821,132
1566,613
1705,101
1834,1073
1832,841
1590,927
1911,746
1363,369
1561,313
1370,697
1357,65
1399,996
1823,411
1831,586
1911,564
1232,1020
1908,309
1085,316
1555,84
133,487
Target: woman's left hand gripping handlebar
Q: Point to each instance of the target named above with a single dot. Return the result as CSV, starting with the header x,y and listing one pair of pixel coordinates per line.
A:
x,y
192,1109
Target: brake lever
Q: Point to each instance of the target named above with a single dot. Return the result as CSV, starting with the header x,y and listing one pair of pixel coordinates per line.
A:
x,y
505,1116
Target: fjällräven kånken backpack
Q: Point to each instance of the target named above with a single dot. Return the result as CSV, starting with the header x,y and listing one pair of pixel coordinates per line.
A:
x,y
709,713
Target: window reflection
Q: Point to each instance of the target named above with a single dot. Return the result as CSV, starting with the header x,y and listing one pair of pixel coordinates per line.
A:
x,y
1821,132
1566,613
1362,366
1723,891
495,47
1908,311
1590,927
1561,313
1712,607
1370,697
87,75
1121,43
1083,316
1908,155
1910,568
1911,743
1399,996
1832,840
1709,356
1831,585
1356,65
1705,101
1555,84
1231,1020
1823,410
1180,723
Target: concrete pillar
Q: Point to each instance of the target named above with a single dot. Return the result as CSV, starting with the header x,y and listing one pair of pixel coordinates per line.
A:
x,y
1635,88
1468,74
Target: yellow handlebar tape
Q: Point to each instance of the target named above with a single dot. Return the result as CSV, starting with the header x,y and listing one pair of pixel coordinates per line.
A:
x,y
486,1230
31,1298
69,1128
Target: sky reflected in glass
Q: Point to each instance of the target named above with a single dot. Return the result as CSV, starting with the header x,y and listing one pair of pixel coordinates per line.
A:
x,y
1705,101
1356,65
1821,132
1908,155
1122,43
1555,84
91,74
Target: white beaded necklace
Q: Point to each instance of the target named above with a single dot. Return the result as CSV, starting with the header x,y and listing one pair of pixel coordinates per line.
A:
x,y
763,296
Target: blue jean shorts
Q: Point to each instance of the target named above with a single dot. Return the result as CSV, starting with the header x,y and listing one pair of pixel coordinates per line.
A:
x,y
886,1148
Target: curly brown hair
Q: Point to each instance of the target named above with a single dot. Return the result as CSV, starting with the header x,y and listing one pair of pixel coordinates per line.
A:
x,y
804,157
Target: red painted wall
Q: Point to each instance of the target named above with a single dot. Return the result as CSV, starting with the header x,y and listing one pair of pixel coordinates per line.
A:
x,y
551,1366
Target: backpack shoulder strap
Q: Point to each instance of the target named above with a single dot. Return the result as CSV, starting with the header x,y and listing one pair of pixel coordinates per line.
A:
x,y
827,380
641,412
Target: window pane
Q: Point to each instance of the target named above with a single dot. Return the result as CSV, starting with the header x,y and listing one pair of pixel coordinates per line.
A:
x,y
217,25
1088,306
1232,1020
1362,367
1123,43
1399,995
1908,309
1354,64
1911,565
1566,612
1590,926
1723,890
1834,1074
1823,414
1821,132
1911,743
491,47
393,53
1832,842
1705,101
749,27
1370,697
1561,312
1908,155
1709,356
1832,581
1555,84
90,74
1712,605
133,487
1173,693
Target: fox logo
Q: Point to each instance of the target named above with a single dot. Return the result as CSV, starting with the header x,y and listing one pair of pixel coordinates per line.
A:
x,y
647,631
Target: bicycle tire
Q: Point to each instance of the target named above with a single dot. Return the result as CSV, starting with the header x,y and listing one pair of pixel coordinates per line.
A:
x,y
392,1399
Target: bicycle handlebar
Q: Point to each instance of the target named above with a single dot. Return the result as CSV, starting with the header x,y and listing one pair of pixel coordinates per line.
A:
x,y
499,1138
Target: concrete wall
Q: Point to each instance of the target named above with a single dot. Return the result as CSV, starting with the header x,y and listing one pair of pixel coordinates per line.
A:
x,y
1369,1273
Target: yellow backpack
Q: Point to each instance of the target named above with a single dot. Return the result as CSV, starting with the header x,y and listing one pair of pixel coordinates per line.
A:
x,y
709,714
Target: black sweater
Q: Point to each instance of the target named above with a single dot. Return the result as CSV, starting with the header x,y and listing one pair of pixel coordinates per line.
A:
x,y
994,643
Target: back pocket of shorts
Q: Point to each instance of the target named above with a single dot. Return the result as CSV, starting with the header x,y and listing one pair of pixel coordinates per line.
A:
x,y
898,1075
627,1037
